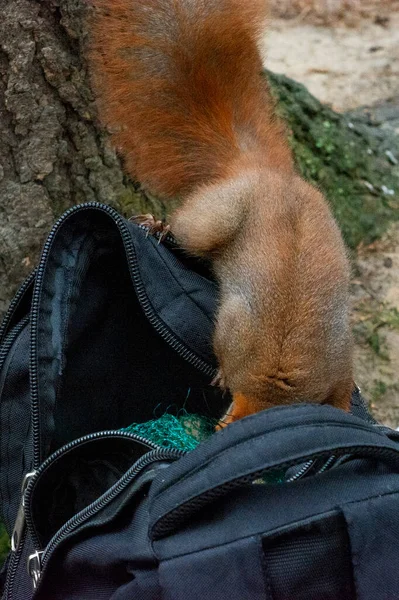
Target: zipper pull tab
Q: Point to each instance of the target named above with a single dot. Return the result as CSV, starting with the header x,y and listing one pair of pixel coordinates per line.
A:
x,y
35,567
20,520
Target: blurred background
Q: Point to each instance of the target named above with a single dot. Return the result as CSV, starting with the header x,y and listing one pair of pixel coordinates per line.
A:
x,y
346,52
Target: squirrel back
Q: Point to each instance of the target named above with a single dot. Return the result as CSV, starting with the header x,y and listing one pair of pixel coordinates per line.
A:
x,y
180,84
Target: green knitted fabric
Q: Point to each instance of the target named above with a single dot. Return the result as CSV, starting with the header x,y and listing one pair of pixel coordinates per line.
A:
x,y
181,433
185,433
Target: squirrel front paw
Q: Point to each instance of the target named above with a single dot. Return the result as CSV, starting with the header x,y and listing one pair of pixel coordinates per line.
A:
x,y
240,407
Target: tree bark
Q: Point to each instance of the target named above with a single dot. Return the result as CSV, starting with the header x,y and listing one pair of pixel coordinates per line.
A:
x,y
54,154
352,157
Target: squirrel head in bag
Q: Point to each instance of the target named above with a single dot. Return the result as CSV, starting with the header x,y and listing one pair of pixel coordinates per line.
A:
x,y
181,84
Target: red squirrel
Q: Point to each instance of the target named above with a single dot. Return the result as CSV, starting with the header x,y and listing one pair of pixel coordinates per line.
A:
x,y
181,84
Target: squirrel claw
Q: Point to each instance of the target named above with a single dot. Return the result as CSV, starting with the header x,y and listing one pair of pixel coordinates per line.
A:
x,y
226,419
164,232
154,226
240,407
219,380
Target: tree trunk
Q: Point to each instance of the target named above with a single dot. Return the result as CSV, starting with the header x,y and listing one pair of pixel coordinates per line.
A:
x,y
53,153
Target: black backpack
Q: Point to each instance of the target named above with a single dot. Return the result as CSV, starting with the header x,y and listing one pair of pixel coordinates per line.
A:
x,y
298,502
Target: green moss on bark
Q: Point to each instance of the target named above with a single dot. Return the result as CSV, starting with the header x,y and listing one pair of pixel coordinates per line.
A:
x,y
351,160
4,544
345,155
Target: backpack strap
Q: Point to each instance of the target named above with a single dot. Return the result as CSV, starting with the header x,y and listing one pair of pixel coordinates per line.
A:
x,y
268,441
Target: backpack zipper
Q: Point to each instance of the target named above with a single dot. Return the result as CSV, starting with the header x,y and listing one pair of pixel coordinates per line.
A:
x,y
307,467
6,345
12,569
9,340
70,526
23,517
38,560
14,305
148,310
146,306
30,478
19,527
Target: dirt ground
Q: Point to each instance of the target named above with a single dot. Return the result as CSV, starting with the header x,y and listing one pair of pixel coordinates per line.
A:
x,y
344,67
333,12
347,68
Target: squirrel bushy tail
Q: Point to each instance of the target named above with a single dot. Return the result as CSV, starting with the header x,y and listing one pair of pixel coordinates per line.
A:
x,y
180,84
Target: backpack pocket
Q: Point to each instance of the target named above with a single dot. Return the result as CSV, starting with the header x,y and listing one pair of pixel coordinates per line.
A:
x,y
84,485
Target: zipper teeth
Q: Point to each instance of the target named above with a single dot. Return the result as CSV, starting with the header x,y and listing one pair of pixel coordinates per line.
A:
x,y
5,348
302,472
170,339
87,438
38,273
12,569
151,315
329,463
155,455
307,467
90,437
14,304
10,338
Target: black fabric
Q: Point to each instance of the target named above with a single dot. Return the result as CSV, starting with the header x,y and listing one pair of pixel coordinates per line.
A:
x,y
232,571
101,363
170,284
111,557
15,450
95,343
273,439
115,359
288,556
3,573
117,329
373,528
77,478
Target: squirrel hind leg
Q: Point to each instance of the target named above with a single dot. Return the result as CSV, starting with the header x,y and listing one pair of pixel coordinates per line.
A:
x,y
210,217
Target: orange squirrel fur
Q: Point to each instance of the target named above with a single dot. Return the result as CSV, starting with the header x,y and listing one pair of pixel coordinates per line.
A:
x,y
180,82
